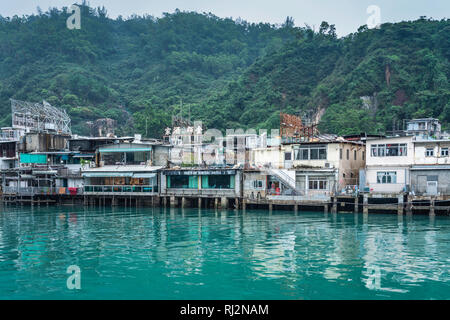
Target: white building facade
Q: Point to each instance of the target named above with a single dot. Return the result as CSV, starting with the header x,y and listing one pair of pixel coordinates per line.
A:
x,y
388,164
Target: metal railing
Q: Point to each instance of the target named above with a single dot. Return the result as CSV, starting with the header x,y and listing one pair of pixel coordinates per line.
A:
x,y
201,192
284,178
119,189
32,191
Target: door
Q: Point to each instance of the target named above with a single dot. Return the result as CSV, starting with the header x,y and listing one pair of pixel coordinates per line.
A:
x,y
432,188
288,160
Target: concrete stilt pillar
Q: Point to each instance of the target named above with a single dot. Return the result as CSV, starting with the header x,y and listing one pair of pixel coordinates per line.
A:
x,y
366,203
409,205
172,201
183,202
325,208
244,206
270,207
199,203
356,205
224,203
295,208
236,203
334,208
432,200
400,205
216,203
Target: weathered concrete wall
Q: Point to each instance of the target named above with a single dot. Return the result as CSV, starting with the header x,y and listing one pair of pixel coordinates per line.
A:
x,y
419,179
403,179
160,155
420,155
43,142
250,191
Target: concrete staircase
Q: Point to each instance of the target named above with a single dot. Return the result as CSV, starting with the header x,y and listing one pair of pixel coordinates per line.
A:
x,y
283,176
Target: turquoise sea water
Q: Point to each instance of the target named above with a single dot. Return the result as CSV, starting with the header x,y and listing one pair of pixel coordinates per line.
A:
x,y
153,253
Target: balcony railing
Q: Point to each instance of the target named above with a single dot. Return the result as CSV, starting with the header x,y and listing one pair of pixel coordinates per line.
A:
x,y
119,189
32,191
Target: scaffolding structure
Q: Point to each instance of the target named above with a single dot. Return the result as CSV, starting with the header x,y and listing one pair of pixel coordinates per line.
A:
x,y
39,117
292,129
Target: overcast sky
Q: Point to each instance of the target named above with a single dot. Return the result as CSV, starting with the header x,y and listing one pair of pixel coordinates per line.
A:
x,y
347,15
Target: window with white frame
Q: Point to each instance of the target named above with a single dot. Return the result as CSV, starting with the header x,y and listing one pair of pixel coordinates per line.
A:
x,y
258,184
429,152
317,183
389,150
444,152
386,177
311,153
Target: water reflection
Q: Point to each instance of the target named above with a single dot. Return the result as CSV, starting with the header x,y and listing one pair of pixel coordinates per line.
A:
x,y
191,253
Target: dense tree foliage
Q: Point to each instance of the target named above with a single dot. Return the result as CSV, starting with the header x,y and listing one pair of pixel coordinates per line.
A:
x,y
369,81
230,74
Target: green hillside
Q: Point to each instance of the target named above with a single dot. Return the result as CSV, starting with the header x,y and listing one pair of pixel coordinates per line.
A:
x,y
229,74
402,69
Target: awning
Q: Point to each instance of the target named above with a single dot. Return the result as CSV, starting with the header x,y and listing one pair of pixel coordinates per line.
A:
x,y
27,176
83,156
144,175
107,174
106,150
431,167
38,172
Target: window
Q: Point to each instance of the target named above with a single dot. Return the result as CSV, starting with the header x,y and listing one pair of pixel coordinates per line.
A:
x,y
301,154
348,154
354,154
381,150
257,184
311,153
182,182
429,152
374,150
388,150
392,150
287,156
322,154
314,154
217,182
444,152
364,156
340,154
317,183
387,177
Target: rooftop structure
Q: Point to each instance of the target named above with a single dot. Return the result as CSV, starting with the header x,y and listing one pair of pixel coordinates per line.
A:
x,y
425,127
39,117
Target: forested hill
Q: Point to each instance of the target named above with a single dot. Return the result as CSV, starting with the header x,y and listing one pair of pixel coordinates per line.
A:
x,y
369,81
228,73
